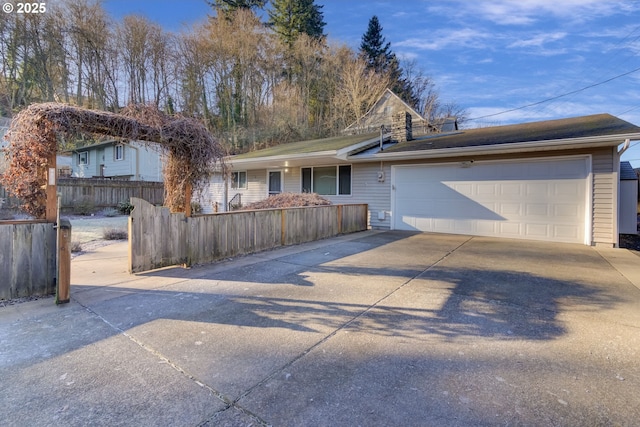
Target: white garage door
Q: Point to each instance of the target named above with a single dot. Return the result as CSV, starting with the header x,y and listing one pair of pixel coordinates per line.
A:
x,y
541,200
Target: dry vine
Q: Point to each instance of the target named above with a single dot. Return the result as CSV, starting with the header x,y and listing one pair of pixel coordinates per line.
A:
x,y
193,152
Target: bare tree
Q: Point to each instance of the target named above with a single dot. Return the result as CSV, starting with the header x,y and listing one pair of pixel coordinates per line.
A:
x,y
358,88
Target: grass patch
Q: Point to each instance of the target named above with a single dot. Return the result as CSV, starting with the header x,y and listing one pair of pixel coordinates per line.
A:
x,y
114,234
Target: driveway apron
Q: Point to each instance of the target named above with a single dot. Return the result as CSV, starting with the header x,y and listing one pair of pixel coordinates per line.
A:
x,y
374,328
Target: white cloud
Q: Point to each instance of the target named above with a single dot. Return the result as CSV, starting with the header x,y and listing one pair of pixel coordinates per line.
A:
x,y
510,12
538,40
443,39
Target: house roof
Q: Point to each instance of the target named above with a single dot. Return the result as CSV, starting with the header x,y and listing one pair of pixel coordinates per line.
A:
x,y
551,130
94,146
587,131
627,173
329,145
382,99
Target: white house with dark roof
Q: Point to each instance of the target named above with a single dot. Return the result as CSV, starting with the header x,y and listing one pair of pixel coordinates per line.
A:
x,y
556,180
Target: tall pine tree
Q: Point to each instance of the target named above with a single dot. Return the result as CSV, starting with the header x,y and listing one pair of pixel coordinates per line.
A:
x,y
381,59
225,7
290,18
373,48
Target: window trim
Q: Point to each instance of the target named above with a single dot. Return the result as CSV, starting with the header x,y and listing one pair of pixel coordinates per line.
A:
x,y
337,168
115,152
81,155
246,184
273,193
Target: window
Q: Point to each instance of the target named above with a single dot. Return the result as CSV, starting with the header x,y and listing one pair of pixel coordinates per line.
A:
x,y
83,158
238,180
327,180
119,152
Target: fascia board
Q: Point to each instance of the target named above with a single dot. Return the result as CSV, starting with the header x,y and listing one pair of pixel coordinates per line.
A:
x,y
281,158
560,144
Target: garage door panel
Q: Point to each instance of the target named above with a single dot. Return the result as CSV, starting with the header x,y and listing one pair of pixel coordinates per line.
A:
x,y
544,200
537,230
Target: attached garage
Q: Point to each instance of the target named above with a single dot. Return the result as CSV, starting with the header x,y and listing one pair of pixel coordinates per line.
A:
x,y
544,199
553,180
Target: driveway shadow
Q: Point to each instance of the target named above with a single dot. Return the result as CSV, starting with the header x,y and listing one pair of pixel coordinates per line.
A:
x,y
444,302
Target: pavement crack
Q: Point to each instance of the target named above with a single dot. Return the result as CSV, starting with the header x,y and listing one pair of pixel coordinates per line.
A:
x,y
284,367
164,359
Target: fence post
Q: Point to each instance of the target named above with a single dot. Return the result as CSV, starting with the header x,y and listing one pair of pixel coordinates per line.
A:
x,y
63,282
51,209
339,219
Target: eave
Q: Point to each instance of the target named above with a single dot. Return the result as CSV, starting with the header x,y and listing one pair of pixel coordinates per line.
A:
x,y
507,148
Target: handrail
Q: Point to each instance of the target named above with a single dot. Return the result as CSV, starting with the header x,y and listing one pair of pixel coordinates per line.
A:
x,y
235,202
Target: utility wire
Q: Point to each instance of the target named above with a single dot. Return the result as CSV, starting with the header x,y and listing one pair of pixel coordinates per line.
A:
x,y
555,97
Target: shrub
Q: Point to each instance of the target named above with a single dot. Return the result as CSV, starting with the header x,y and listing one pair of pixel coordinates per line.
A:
x,y
114,234
76,247
84,207
125,208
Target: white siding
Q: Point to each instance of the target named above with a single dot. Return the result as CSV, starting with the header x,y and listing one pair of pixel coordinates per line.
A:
x,y
605,189
292,183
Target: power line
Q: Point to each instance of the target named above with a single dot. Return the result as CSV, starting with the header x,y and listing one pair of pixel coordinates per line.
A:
x,y
555,97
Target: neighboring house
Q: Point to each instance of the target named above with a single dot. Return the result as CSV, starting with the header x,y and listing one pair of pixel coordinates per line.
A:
x,y
383,110
554,180
628,213
135,161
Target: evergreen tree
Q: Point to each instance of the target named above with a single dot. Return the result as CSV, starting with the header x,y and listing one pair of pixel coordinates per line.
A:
x,y
290,18
380,58
373,48
228,6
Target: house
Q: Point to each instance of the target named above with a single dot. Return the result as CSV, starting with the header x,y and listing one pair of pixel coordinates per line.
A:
x,y
628,214
383,110
133,160
555,180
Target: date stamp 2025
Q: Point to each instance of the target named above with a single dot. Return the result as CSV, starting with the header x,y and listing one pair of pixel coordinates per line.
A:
x,y
25,7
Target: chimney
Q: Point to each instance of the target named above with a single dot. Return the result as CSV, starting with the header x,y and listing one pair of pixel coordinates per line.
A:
x,y
401,127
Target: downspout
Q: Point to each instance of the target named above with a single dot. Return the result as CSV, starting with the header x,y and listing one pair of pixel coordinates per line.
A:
x,y
625,147
225,196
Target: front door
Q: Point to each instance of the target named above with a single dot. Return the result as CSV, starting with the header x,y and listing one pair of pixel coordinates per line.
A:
x,y
275,182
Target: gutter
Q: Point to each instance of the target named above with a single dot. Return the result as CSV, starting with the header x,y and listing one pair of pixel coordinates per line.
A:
x,y
559,144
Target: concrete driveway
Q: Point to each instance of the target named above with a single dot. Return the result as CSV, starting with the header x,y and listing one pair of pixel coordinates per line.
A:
x,y
369,329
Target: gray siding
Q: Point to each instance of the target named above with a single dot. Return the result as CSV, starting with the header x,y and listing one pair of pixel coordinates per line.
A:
x,y
605,189
365,188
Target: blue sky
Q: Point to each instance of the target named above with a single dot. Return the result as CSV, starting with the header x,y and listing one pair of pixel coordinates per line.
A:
x,y
489,56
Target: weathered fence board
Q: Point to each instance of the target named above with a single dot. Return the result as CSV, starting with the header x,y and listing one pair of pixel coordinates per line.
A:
x,y
159,238
27,259
96,193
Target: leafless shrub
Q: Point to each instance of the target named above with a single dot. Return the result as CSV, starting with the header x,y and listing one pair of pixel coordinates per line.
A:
x,y
34,133
114,234
76,247
289,200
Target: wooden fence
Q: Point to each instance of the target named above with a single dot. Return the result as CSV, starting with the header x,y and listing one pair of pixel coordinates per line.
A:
x,y
104,193
85,195
27,259
158,238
